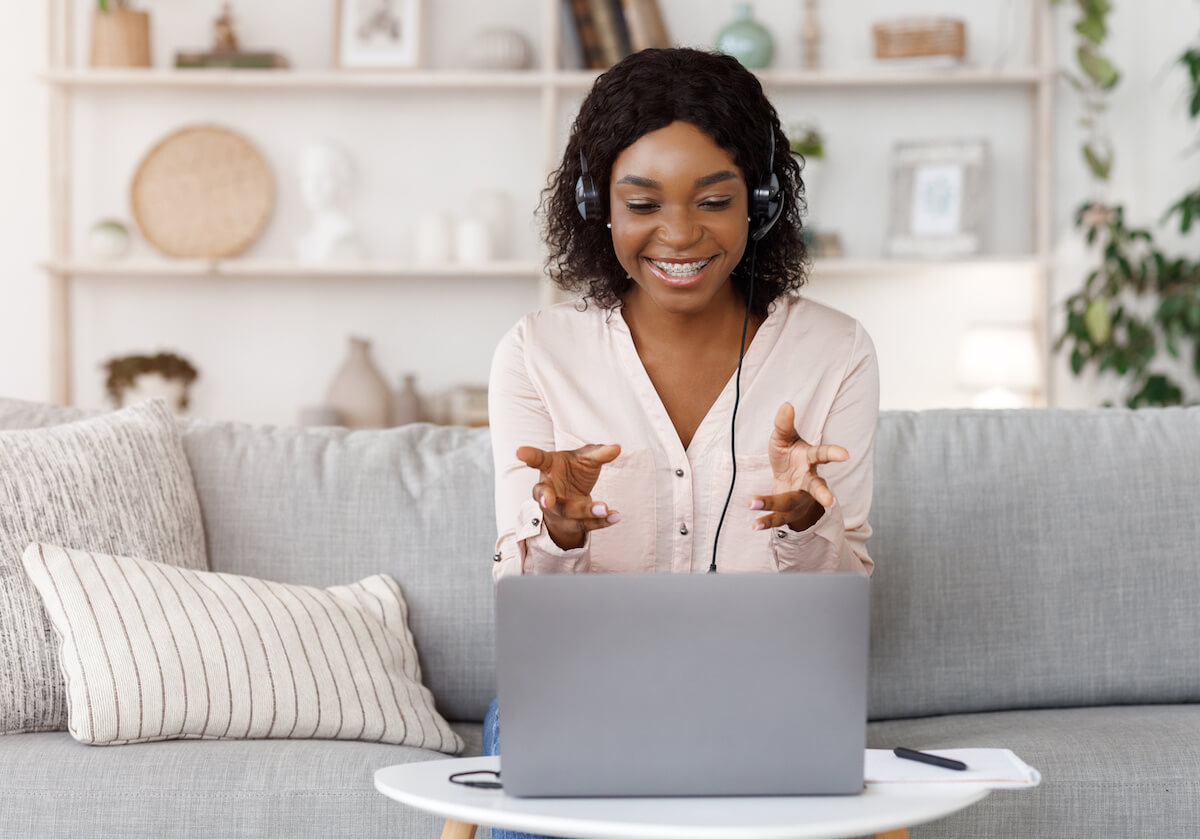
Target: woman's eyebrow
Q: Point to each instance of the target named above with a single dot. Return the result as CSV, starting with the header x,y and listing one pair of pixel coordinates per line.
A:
x,y
715,177
707,180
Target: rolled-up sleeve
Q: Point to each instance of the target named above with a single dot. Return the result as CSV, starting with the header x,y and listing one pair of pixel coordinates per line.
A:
x,y
518,417
838,540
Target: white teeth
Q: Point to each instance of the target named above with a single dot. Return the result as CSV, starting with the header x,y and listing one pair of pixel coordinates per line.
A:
x,y
681,269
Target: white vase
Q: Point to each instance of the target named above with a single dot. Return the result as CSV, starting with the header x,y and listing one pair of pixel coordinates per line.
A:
x,y
495,207
406,402
359,392
472,241
435,240
155,385
499,49
108,239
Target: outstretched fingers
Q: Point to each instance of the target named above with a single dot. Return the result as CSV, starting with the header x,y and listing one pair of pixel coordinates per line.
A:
x,y
782,508
827,454
597,454
534,458
784,432
786,507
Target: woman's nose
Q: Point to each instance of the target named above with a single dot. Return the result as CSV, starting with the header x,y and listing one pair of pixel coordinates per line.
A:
x,y
678,229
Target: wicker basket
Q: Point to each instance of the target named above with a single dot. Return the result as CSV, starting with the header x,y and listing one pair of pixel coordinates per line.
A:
x,y
204,192
918,37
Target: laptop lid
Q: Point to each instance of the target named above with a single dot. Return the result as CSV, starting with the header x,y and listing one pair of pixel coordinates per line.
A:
x,y
712,684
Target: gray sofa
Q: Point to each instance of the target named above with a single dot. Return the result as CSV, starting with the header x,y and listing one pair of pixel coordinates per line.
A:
x,y
1037,588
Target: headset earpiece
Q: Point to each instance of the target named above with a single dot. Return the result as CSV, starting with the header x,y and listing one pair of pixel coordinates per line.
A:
x,y
587,197
766,202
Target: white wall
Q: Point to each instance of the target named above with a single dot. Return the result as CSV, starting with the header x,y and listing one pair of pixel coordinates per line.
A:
x,y
266,348
23,191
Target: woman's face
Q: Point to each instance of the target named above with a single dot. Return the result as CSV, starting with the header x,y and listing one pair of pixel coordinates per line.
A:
x,y
678,212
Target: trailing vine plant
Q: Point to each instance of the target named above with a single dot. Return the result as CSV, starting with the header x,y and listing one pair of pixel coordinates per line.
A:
x,y
1138,299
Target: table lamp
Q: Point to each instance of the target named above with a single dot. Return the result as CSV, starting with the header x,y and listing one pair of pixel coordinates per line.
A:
x,y
1000,363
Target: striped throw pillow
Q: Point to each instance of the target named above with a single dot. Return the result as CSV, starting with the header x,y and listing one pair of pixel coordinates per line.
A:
x,y
153,652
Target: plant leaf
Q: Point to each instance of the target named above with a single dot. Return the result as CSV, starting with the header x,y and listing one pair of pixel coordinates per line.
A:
x,y
1099,166
1097,321
1097,68
1092,28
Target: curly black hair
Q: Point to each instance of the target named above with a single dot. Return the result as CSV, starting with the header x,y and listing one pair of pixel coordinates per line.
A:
x,y
647,91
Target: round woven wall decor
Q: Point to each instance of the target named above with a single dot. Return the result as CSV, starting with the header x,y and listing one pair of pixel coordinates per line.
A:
x,y
203,192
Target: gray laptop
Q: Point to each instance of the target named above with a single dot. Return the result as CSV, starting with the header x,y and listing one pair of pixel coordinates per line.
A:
x,y
673,684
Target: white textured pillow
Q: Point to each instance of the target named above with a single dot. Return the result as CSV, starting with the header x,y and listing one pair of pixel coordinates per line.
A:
x,y
152,652
118,483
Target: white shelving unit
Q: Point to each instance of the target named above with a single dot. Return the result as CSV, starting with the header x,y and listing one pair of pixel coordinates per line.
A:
x,y
68,82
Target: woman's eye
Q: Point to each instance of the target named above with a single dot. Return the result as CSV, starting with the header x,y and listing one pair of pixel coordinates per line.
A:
x,y
717,203
635,207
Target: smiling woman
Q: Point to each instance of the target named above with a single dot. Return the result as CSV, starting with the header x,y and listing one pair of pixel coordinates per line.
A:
x,y
647,92
690,381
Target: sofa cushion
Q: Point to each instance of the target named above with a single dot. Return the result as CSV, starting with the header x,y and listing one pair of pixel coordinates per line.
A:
x,y
1031,559
117,483
56,788
1106,771
153,653
322,506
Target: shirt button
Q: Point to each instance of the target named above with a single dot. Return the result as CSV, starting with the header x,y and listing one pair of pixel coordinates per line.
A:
x,y
495,557
535,522
683,530
782,534
678,473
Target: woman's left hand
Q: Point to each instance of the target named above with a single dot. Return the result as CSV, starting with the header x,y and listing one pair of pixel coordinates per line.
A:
x,y
799,494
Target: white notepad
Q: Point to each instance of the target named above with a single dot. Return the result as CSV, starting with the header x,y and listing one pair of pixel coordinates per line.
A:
x,y
986,768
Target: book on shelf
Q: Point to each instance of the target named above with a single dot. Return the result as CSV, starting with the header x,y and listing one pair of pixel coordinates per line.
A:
x,y
571,56
602,32
644,20
588,34
605,17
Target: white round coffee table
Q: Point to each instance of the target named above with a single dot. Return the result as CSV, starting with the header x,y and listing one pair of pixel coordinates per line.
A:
x,y
886,811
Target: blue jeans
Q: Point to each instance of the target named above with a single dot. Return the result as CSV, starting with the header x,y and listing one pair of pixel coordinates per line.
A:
x,y
491,746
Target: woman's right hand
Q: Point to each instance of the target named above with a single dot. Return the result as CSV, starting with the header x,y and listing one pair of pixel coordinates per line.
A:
x,y
564,491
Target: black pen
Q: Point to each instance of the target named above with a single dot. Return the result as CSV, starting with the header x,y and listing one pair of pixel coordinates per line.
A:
x,y
925,757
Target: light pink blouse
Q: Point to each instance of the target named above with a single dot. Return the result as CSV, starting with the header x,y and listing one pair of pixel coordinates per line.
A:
x,y
563,377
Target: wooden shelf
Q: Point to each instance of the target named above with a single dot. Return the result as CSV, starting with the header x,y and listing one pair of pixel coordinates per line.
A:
x,y
295,79
513,80
234,269
263,269
875,267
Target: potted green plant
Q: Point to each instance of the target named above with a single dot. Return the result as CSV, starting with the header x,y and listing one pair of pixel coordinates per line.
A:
x,y
808,145
806,140
1138,299
120,35
133,378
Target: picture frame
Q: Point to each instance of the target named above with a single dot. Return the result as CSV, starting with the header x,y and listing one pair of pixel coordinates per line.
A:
x,y
940,196
378,34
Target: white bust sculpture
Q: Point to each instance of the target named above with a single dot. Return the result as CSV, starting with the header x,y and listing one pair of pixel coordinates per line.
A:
x,y
325,178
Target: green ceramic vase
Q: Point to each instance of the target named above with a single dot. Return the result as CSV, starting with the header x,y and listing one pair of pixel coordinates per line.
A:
x,y
747,40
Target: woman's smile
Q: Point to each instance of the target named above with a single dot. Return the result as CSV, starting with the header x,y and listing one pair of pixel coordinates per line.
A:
x,y
679,273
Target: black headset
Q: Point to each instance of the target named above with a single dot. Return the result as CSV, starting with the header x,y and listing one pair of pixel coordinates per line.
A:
x,y
766,199
766,206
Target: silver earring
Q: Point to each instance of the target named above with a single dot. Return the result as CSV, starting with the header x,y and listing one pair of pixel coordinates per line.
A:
x,y
609,225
